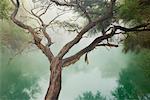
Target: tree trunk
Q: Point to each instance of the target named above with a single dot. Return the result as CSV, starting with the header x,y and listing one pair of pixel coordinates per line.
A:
x,y
55,80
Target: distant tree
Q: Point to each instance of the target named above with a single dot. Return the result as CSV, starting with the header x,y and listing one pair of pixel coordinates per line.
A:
x,y
133,83
11,39
90,96
103,22
14,83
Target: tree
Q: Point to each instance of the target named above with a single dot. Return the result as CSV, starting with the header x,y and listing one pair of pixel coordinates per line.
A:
x,y
15,83
90,96
59,61
134,80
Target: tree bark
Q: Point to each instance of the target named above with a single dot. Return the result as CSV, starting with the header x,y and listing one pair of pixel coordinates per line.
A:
x,y
55,80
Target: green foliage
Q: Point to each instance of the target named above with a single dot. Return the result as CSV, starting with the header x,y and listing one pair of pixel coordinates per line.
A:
x,y
91,96
125,90
135,42
12,37
94,8
14,82
134,81
130,10
134,10
4,9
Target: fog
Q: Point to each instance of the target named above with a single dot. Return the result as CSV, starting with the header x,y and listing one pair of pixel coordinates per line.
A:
x,y
99,75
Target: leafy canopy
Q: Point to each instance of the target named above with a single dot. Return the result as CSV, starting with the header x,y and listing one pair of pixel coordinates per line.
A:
x,y
134,12
4,9
134,80
90,96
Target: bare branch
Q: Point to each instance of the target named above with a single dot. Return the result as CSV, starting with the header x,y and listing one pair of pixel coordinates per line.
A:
x,y
108,44
47,36
54,19
63,4
44,26
31,15
13,3
45,10
13,15
37,17
37,40
142,27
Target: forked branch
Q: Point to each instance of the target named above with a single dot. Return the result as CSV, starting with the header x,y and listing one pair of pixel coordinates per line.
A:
x,y
97,42
89,26
37,40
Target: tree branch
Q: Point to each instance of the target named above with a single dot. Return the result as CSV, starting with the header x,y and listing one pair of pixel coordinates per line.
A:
x,y
37,40
47,36
90,47
63,4
70,44
45,10
84,11
139,28
74,58
108,44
